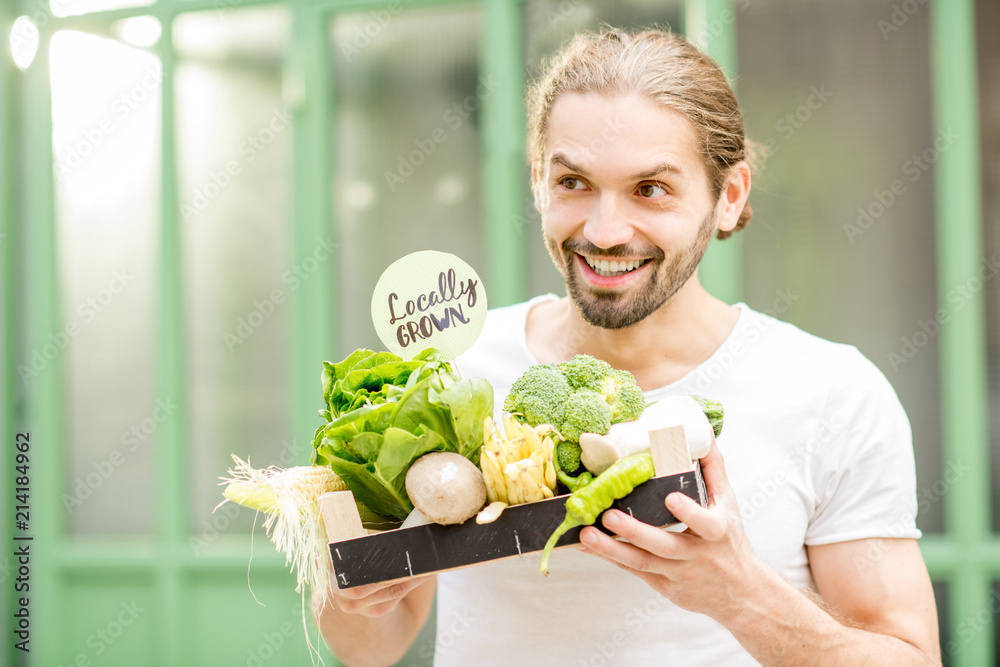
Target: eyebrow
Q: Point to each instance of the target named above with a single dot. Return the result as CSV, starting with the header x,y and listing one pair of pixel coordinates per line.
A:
x,y
663,167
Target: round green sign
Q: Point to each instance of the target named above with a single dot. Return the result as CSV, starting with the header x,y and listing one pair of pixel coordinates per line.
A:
x,y
429,299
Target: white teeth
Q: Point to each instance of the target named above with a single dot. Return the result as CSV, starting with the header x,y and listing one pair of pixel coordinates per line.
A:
x,y
607,268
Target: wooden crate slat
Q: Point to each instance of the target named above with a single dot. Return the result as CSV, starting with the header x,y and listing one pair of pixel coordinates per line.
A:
x,y
521,529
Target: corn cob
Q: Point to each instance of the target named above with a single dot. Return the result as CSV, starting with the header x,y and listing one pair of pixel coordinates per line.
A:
x,y
289,498
258,491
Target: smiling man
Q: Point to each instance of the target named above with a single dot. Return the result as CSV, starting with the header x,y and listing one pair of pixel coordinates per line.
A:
x,y
825,568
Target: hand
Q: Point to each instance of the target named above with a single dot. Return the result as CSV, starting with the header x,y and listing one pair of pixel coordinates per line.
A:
x,y
707,568
374,600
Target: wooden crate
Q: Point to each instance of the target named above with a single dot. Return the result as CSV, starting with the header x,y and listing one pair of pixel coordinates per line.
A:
x,y
403,553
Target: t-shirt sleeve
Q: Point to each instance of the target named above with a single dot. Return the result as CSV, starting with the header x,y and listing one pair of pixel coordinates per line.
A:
x,y
864,476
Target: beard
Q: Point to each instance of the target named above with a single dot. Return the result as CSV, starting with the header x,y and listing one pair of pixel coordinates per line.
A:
x,y
615,309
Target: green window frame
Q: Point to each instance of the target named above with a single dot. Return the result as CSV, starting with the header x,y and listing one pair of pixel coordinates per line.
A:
x,y
966,556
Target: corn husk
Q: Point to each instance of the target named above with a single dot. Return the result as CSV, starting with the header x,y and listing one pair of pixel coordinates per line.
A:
x,y
289,498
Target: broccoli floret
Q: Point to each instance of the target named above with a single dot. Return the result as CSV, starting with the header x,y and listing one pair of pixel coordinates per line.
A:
x,y
623,395
535,410
586,372
586,412
713,410
582,395
539,395
618,387
567,457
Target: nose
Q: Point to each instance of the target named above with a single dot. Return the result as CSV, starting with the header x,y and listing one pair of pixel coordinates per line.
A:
x,y
607,225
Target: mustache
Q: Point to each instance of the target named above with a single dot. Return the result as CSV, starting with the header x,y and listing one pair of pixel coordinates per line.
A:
x,y
614,252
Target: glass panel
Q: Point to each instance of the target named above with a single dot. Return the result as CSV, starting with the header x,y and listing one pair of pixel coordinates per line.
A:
x,y
224,626
233,145
106,129
406,140
106,620
988,18
547,25
71,7
844,209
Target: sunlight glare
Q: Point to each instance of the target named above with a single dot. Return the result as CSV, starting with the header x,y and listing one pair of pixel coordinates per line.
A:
x,y
23,42
141,31
105,113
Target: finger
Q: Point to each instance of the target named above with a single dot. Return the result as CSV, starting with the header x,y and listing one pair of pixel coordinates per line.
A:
x,y
373,606
644,536
373,594
620,553
655,580
658,582
707,524
363,608
629,557
713,469
381,609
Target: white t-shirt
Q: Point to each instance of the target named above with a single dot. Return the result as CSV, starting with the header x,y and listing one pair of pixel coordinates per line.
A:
x,y
817,448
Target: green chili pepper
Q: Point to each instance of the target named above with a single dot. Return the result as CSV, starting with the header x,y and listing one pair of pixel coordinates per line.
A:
x,y
586,504
574,483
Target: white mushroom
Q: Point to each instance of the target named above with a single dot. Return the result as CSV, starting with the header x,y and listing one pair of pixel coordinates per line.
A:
x,y
598,452
447,487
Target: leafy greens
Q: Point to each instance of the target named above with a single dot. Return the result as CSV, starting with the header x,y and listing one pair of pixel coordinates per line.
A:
x,y
383,413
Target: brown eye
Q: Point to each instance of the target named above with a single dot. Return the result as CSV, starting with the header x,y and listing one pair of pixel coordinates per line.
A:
x,y
571,183
651,190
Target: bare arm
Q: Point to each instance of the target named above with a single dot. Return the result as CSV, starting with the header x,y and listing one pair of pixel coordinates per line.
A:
x,y
873,611
878,589
374,626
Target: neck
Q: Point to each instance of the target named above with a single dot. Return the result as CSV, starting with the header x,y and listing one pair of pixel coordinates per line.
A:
x,y
672,341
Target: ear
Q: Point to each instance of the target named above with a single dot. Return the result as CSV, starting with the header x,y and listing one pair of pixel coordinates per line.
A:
x,y
536,192
734,196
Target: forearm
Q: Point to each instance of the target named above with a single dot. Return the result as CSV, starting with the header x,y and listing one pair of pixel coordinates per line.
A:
x,y
365,641
779,625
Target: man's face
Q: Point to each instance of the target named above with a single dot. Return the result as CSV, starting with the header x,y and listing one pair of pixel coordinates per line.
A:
x,y
626,207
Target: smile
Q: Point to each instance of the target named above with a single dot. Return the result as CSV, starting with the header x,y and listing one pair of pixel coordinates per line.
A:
x,y
611,268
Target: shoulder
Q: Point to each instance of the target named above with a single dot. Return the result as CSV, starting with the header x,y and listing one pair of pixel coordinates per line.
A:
x,y
793,357
854,413
822,392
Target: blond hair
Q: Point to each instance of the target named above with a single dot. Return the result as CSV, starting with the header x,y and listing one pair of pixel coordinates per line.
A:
x,y
665,68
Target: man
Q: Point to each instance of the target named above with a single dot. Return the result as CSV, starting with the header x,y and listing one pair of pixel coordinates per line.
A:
x,y
807,552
